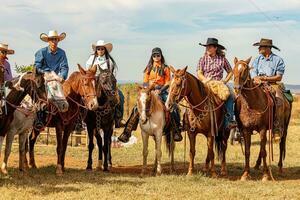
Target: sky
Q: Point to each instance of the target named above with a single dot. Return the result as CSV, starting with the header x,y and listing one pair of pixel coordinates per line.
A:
x,y
134,27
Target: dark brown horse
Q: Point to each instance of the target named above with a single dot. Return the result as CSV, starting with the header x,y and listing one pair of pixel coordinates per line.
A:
x,y
102,120
80,87
204,116
254,112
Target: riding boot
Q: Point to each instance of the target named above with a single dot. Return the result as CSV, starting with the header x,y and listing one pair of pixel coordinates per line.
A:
x,y
131,125
278,122
176,124
118,118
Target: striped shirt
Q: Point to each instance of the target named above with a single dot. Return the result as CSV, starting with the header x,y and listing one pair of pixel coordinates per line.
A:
x,y
213,67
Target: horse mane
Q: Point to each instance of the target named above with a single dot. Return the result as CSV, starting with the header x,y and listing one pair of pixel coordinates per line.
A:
x,y
156,104
198,83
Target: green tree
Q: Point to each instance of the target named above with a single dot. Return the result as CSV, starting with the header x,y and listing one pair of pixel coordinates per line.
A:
x,y
23,68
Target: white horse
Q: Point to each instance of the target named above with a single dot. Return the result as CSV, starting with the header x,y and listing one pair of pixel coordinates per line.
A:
x,y
24,118
152,122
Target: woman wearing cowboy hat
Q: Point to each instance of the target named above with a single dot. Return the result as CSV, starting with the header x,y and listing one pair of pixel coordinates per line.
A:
x,y
158,73
269,67
211,67
52,58
102,58
4,64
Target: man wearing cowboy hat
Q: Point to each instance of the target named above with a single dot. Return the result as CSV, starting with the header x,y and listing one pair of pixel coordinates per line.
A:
x,y
52,58
268,67
5,71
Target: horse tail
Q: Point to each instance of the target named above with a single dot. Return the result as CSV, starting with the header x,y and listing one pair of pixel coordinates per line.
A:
x,y
221,143
170,143
286,131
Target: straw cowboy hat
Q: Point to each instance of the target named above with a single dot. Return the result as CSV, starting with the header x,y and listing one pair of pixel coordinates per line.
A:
x,y
4,47
266,43
52,34
213,41
101,43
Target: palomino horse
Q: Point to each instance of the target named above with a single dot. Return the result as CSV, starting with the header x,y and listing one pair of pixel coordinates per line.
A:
x,y
152,123
256,116
102,118
79,87
205,116
24,118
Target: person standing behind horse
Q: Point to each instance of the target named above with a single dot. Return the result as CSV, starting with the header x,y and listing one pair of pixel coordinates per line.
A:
x,y
5,70
211,67
269,67
52,58
102,58
158,73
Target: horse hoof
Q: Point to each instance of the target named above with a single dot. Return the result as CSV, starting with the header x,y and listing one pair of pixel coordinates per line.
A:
x,y
189,173
89,169
214,175
224,173
158,174
256,167
59,171
265,178
245,178
280,171
33,166
4,171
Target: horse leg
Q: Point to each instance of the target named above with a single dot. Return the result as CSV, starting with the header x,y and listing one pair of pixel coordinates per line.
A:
x,y
210,146
9,140
282,147
32,139
258,161
145,138
158,153
22,151
207,160
59,170
107,143
223,164
263,141
100,149
247,138
192,138
91,147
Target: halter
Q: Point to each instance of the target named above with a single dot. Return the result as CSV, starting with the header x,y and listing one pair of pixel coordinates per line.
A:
x,y
247,79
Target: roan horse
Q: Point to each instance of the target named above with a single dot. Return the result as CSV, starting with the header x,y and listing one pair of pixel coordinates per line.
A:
x,y
23,120
254,112
152,123
205,116
102,118
80,86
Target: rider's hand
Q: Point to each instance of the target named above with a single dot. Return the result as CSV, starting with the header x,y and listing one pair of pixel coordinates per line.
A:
x,y
257,80
157,92
206,80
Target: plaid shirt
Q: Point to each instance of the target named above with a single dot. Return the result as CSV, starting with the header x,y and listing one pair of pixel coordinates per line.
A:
x,y
213,67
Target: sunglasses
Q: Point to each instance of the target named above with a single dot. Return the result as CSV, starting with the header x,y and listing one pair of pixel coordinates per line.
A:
x,y
101,49
54,39
4,52
156,56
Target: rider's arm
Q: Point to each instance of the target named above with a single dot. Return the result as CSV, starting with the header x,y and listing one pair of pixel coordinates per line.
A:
x,y
146,79
39,60
89,62
276,78
228,69
64,68
201,77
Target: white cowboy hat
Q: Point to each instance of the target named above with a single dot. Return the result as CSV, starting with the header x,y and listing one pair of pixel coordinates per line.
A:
x,y
52,34
101,43
4,47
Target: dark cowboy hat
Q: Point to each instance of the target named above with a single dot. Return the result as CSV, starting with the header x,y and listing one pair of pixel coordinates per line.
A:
x,y
266,43
213,41
156,50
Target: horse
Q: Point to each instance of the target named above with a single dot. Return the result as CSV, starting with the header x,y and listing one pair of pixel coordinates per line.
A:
x,y
78,88
23,119
256,116
152,123
205,115
102,118
29,83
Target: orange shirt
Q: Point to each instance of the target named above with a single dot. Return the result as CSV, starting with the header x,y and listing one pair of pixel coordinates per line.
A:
x,y
154,76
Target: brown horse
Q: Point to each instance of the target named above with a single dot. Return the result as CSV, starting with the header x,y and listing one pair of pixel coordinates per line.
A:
x,y
80,87
205,116
254,112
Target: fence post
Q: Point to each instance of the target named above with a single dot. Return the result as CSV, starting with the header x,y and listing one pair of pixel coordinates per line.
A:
x,y
48,132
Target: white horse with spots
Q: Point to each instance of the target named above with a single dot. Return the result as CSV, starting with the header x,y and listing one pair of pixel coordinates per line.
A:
x,y
24,118
152,122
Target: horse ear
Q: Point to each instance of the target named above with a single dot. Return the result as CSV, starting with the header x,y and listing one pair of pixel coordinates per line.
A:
x,y
151,87
81,70
235,60
248,60
172,69
185,68
93,69
138,87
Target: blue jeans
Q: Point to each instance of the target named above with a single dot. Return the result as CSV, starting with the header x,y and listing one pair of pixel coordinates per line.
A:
x,y
229,105
122,100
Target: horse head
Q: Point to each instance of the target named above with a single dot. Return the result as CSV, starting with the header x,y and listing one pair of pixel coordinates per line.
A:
x,y
55,93
176,90
241,74
107,84
86,86
144,102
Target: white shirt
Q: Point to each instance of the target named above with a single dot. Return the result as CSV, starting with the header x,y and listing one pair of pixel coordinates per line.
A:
x,y
100,61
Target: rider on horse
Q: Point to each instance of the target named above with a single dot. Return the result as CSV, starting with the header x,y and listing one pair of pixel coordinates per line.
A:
x,y
211,67
5,70
102,58
269,68
158,73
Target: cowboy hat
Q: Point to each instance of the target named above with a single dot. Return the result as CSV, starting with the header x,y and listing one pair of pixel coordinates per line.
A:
x,y
4,47
266,43
213,41
52,34
101,43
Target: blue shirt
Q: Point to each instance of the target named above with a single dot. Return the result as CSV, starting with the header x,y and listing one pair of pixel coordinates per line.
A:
x,y
271,66
45,60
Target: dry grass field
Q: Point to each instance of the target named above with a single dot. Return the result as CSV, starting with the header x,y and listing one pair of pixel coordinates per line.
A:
x,y
123,182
